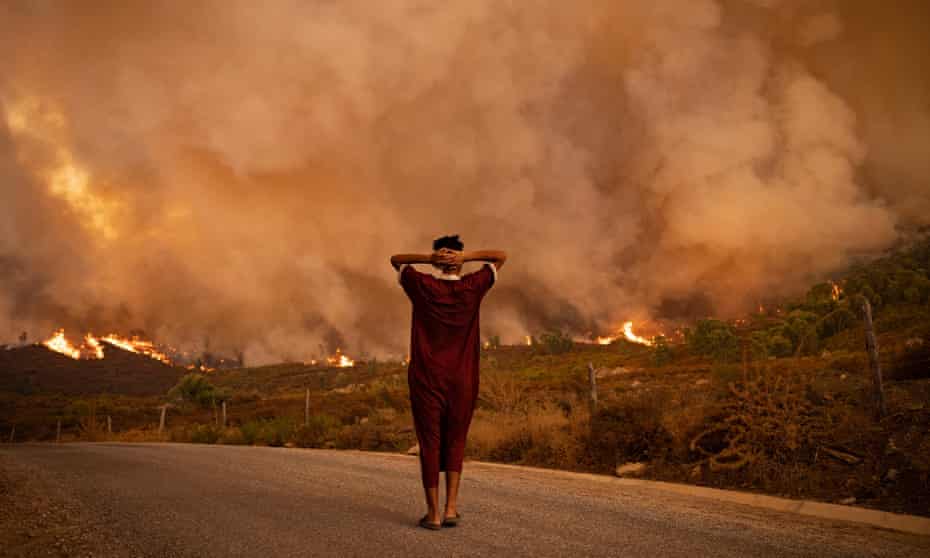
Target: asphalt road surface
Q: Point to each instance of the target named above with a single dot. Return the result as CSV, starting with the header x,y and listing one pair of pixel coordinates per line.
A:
x,y
195,500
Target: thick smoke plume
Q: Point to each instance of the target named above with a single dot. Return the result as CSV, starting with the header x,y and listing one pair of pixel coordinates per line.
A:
x,y
216,172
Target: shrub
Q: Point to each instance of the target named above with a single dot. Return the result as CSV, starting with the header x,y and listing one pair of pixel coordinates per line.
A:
x,y
768,425
273,432
629,430
662,353
320,428
367,436
778,346
196,388
544,436
555,342
502,391
715,339
232,436
204,434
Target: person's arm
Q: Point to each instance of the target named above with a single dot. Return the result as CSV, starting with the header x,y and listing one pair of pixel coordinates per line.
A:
x,y
496,257
398,260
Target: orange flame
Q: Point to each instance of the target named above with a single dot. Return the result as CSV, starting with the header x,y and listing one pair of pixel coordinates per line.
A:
x,y
340,360
92,349
91,342
627,334
136,345
630,336
60,344
837,291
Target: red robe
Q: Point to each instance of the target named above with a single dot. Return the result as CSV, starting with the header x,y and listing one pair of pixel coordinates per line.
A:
x,y
445,347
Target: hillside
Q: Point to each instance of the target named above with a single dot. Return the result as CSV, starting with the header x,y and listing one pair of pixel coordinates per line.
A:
x,y
35,369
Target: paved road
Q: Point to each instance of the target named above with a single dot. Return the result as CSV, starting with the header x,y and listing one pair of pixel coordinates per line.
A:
x,y
192,500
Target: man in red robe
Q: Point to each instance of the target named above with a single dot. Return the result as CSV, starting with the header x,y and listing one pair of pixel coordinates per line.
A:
x,y
445,347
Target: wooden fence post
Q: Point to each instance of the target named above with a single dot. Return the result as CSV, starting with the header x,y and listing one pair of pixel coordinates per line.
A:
x,y
109,425
307,408
12,433
224,414
592,395
58,432
161,423
871,345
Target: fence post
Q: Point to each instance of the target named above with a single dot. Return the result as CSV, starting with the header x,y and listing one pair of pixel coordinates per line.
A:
x,y
12,433
109,425
58,432
307,408
216,417
871,345
592,395
224,414
161,423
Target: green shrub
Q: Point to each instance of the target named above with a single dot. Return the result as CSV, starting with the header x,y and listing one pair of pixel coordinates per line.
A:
x,y
196,388
715,339
555,342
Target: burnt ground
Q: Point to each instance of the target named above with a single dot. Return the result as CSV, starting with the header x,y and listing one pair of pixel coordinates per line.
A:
x,y
35,369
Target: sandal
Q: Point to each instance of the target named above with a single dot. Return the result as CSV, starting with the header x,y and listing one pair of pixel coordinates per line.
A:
x,y
452,521
427,524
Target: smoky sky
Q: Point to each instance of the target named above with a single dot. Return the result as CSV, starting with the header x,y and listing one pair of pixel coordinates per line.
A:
x,y
236,176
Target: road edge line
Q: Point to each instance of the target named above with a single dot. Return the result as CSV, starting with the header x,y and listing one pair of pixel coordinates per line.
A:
x,y
887,520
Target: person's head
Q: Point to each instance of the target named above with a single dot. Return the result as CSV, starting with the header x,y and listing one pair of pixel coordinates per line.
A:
x,y
452,243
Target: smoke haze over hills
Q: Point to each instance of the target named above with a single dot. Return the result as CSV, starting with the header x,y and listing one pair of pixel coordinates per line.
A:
x,y
215,171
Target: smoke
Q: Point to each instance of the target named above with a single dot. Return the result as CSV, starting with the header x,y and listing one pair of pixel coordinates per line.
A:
x,y
221,175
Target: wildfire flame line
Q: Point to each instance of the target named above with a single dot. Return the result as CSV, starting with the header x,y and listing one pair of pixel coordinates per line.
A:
x,y
626,333
92,348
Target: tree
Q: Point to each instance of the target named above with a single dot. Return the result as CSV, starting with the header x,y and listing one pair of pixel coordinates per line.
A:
x,y
196,388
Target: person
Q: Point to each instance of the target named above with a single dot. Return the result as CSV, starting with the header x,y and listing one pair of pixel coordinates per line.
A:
x,y
444,354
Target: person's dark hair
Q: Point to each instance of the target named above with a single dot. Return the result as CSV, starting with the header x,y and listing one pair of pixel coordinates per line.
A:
x,y
450,242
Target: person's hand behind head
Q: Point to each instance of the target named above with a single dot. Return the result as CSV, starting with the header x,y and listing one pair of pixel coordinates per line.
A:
x,y
451,257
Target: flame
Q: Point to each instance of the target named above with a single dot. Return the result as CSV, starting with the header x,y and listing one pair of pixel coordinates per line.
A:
x,y
91,342
60,344
340,360
836,292
136,345
627,333
630,336
529,341
92,349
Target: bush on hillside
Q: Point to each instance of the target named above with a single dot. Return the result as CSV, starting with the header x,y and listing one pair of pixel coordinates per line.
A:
x,y
713,338
554,343
196,388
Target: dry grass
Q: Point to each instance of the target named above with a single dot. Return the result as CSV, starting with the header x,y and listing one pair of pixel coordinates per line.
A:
x,y
544,435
